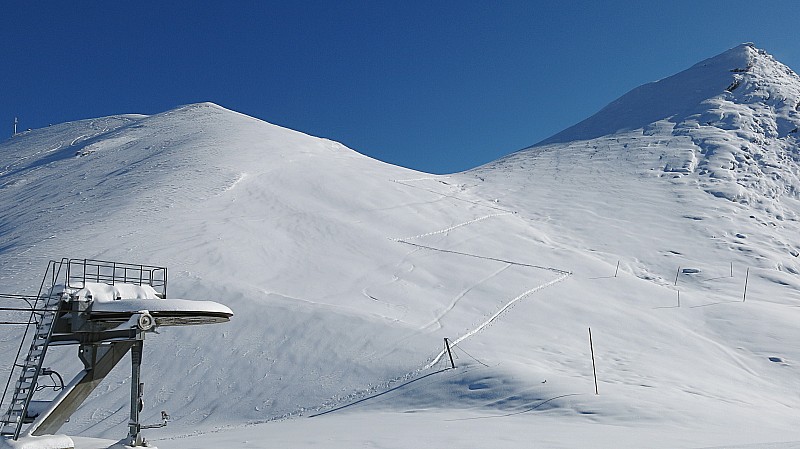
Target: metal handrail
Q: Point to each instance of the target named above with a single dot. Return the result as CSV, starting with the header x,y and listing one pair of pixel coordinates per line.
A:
x,y
109,272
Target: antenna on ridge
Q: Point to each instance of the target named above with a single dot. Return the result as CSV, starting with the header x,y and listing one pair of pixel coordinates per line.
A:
x,y
15,126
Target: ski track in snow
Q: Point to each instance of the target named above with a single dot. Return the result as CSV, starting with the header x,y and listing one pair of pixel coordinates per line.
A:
x,y
239,179
406,182
78,139
438,319
562,273
387,386
446,230
510,262
497,314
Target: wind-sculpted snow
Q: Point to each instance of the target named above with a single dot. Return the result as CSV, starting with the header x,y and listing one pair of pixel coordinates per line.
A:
x,y
345,274
743,75
740,112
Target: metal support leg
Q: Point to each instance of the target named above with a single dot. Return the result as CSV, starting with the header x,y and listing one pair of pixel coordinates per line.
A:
x,y
98,361
134,426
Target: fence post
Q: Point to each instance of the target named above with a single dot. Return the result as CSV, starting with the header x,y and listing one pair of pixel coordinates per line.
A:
x,y
594,369
450,354
746,276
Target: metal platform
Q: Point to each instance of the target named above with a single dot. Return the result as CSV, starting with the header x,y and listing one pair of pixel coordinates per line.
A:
x,y
73,307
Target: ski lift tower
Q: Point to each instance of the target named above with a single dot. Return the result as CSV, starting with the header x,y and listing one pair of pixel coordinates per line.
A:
x,y
106,309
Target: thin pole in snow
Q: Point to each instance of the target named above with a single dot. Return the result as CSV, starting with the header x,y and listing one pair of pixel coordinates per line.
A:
x,y
617,270
450,354
15,126
676,275
594,369
746,276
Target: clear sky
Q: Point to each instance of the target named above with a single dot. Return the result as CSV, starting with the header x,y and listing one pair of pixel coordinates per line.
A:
x,y
438,86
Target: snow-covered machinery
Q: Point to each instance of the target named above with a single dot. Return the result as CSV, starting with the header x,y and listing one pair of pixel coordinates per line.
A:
x,y
105,308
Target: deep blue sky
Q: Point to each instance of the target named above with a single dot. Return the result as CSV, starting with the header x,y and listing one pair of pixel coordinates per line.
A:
x,y
435,86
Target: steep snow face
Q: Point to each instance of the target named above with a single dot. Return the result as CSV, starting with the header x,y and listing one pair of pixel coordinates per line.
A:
x,y
684,95
725,128
748,135
740,112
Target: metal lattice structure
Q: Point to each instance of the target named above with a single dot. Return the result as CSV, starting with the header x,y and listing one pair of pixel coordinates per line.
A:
x,y
57,318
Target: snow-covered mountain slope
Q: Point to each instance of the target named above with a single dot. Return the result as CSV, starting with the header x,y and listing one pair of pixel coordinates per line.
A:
x,y
737,143
299,236
689,183
732,117
345,273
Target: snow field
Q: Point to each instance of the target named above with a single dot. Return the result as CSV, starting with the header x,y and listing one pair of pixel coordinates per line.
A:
x,y
345,274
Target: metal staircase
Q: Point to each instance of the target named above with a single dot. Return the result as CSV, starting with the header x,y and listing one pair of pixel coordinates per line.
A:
x,y
45,310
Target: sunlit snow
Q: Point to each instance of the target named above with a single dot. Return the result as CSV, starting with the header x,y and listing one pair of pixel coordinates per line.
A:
x,y
345,274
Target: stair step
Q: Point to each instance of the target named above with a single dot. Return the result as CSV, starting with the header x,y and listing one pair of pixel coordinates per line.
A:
x,y
48,305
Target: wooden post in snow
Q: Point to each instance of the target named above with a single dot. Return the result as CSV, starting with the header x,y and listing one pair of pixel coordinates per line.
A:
x,y
450,354
676,275
617,270
594,369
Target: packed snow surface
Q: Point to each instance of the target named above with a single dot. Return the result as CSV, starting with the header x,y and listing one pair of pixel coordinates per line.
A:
x,y
42,442
125,297
100,292
667,223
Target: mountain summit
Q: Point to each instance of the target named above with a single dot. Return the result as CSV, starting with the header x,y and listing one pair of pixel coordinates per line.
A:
x,y
730,121
744,76
716,144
